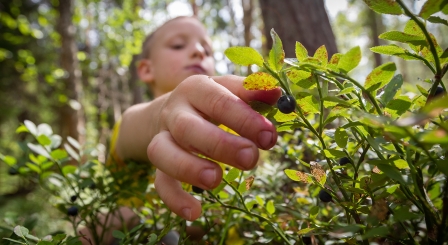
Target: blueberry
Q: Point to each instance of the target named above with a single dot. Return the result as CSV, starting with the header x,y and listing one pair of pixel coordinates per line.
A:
x,y
12,171
439,91
72,211
324,196
73,198
344,161
197,190
92,186
286,104
306,240
255,206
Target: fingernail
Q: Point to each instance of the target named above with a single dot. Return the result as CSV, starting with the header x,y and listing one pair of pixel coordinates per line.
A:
x,y
187,213
265,139
208,177
245,157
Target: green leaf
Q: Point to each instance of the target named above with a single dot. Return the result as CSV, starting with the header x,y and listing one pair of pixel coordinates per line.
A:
x,y
43,140
244,56
276,55
308,103
72,152
44,129
403,37
301,52
232,174
398,106
305,231
341,137
22,129
314,211
412,28
118,234
290,126
69,169
431,7
332,153
298,176
350,60
392,173
334,61
74,143
58,154
21,231
391,189
395,50
10,160
380,76
401,164
391,89
384,6
302,78
34,167
380,231
281,117
260,81
402,214
270,207
434,137
46,165
437,20
442,165
39,150
152,239
322,55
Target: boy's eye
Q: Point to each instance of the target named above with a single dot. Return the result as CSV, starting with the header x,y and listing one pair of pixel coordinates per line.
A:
x,y
177,46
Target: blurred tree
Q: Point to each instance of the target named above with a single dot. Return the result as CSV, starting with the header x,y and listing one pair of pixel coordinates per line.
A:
x,y
305,21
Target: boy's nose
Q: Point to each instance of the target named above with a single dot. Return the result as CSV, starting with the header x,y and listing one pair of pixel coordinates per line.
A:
x,y
199,50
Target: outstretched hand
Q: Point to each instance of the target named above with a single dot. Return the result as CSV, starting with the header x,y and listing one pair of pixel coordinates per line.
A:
x,y
187,126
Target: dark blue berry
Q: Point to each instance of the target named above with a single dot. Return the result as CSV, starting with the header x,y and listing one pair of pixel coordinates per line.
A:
x,y
73,198
12,171
197,190
324,196
344,161
92,186
439,91
306,240
72,211
286,104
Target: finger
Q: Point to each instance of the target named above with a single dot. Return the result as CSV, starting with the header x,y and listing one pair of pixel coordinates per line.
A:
x,y
211,141
177,200
179,164
222,105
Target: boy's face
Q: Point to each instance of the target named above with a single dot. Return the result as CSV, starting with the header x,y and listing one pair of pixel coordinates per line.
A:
x,y
179,49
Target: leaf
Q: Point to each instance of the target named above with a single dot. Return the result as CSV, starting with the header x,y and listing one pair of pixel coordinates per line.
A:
x,y
437,20
403,214
392,173
276,55
318,172
22,129
332,153
301,52
69,169
56,141
391,89
43,140
260,107
401,164
302,78
38,149
34,167
21,231
350,60
403,37
297,176
71,152
260,81
281,117
438,136
398,106
334,61
44,129
384,6
10,160
232,174
431,7
249,181
442,165
244,56
395,50
379,209
322,55
314,211
74,143
380,76
308,103
305,231
58,154
31,127
341,137
270,207
118,234
391,189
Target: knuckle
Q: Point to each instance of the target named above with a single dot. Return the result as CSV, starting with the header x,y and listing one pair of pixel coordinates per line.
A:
x,y
179,125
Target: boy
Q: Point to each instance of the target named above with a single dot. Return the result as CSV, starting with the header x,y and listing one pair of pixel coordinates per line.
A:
x,y
182,121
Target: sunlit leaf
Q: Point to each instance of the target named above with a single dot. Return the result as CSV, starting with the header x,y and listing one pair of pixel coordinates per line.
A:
x,y
350,60
74,143
281,117
380,76
44,129
332,153
270,207
276,55
431,7
398,106
58,154
391,89
43,140
437,20
305,231
31,127
232,174
260,81
39,150
401,164
244,56
10,160
403,37
308,103
33,167
384,6
334,61
322,55
341,137
301,52
71,152
298,176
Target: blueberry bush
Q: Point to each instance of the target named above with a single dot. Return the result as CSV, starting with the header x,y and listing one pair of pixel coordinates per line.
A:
x,y
357,162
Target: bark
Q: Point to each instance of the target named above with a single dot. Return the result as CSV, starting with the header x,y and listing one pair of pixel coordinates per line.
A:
x,y
248,6
305,21
72,121
376,26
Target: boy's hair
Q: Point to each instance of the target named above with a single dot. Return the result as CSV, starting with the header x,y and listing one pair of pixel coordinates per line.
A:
x,y
146,46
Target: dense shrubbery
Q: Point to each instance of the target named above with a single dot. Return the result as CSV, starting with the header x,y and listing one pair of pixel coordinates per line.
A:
x,y
356,162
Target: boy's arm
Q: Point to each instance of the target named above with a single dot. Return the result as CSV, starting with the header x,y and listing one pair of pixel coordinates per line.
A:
x,y
171,130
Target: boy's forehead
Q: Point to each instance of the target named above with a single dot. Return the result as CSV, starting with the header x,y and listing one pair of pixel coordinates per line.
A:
x,y
178,26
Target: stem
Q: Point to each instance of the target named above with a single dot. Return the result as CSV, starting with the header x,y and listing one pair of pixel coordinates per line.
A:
x,y
321,116
442,227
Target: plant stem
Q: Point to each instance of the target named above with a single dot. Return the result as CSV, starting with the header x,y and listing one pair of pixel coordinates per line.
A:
x,y
321,115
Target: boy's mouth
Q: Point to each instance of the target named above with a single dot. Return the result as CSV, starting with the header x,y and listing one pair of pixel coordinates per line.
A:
x,y
196,69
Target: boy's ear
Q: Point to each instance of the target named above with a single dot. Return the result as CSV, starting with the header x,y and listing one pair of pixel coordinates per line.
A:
x,y
145,71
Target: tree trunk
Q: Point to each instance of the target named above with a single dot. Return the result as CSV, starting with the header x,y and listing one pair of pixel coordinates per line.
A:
x,y
305,21
376,26
72,121
248,6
